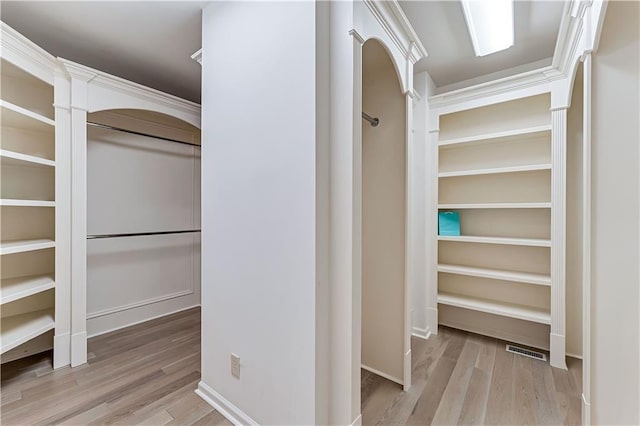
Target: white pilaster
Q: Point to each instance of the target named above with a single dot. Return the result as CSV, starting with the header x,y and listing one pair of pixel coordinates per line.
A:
x,y
558,235
62,336
79,106
431,226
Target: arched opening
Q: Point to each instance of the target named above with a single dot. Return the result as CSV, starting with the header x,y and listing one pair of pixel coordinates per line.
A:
x,y
384,212
143,218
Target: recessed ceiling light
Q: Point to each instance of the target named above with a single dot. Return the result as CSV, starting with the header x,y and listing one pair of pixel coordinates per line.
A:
x,y
490,24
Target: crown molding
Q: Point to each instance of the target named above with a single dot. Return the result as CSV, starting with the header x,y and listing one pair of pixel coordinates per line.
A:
x,y
568,45
396,24
20,51
101,79
197,56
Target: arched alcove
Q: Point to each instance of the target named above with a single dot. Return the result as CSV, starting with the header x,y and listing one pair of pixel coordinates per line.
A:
x,y
384,212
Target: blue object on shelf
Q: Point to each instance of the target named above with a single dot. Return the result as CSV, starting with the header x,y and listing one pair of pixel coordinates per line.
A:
x,y
449,223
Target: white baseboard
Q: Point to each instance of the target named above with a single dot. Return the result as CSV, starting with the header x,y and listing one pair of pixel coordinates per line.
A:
x,y
78,349
381,374
100,333
557,351
357,421
586,411
224,406
422,333
61,350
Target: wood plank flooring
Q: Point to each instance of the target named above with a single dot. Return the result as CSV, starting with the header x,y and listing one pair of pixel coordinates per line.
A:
x,y
141,375
146,375
461,378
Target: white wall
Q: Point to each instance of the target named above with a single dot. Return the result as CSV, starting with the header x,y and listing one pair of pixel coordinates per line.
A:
x,y
615,352
259,209
384,201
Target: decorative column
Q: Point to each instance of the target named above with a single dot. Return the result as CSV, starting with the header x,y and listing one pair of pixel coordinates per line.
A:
x,y
558,235
62,336
79,107
431,226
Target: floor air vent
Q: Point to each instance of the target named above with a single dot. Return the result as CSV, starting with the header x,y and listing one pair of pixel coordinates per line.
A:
x,y
526,352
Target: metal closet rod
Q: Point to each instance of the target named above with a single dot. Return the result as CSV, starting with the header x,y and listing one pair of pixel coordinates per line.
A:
x,y
120,129
139,234
373,120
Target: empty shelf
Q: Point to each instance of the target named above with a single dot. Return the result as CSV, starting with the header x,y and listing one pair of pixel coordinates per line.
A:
x,y
11,247
530,242
21,118
496,274
504,309
541,205
20,329
11,158
21,287
26,203
531,131
496,170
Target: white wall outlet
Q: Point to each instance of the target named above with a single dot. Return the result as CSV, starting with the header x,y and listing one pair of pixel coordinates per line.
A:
x,y
235,366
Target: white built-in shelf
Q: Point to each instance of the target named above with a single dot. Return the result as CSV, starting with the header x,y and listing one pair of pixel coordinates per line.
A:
x,y
496,170
508,241
22,118
21,287
496,274
488,137
19,329
11,158
510,310
21,246
26,203
541,205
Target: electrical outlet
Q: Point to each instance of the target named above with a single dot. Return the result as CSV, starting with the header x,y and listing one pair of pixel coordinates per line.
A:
x,y
235,366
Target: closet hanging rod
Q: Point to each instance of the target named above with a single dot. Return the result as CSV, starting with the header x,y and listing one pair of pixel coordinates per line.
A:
x,y
139,234
373,120
133,132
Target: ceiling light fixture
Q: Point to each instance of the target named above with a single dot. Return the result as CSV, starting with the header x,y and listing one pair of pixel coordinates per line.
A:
x,y
490,24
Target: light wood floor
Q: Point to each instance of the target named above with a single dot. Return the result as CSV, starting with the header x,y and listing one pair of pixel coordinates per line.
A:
x,y
463,378
146,374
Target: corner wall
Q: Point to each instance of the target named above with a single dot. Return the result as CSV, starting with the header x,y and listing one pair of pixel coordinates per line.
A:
x,y
615,334
259,210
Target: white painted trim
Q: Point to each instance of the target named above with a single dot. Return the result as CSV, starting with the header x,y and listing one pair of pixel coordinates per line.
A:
x,y
100,333
197,56
421,333
225,407
61,349
78,348
357,421
106,92
23,53
140,303
407,369
382,374
395,23
586,242
558,237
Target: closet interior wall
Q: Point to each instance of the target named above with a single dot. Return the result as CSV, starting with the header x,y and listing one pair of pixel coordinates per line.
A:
x,y
384,168
140,184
